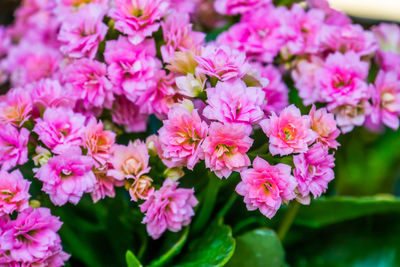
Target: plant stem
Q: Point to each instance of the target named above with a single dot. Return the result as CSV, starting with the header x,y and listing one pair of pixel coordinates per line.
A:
x,y
227,205
288,220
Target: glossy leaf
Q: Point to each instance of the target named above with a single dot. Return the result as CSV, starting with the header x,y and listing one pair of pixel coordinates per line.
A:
x,y
131,260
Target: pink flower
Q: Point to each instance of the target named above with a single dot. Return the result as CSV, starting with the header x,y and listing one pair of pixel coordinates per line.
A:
x,y
133,69
324,124
67,177
60,129
16,107
104,185
129,162
289,133
138,18
181,137
14,192
13,146
82,32
225,148
313,171
141,188
32,239
222,62
128,114
65,8
388,54
265,186
98,142
386,99
332,16
342,79
179,36
348,116
184,6
234,7
168,208
88,81
234,102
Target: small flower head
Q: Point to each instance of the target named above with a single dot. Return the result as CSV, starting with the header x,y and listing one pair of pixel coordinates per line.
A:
x,y
16,107
141,188
14,192
234,7
128,114
324,124
13,146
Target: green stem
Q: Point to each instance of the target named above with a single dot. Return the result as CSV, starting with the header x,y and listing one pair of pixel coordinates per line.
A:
x,y
227,205
288,220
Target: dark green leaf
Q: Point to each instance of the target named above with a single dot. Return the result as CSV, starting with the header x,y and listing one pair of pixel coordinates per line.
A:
x,y
131,260
260,247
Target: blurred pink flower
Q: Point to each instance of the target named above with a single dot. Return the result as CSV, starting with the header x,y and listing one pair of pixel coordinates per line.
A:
x,y
265,186
16,107
234,7
324,124
388,54
128,114
168,208
348,116
14,192
13,146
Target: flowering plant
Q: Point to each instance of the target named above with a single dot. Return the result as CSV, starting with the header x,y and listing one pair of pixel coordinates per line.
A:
x,y
149,126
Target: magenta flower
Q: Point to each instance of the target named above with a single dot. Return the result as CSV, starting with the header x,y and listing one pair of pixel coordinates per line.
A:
x,y
342,79
88,81
234,102
234,7
264,187
13,146
82,32
313,171
225,148
60,128
65,8
168,208
181,137
128,114
138,18
16,107
332,16
222,62
289,132
129,162
386,99
32,239
324,124
67,177
14,192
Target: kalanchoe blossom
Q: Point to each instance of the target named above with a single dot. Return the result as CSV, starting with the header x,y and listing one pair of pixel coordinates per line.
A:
x,y
222,62
60,128
289,132
313,171
16,107
234,102
348,116
13,146
14,192
234,7
181,137
141,188
87,80
168,208
128,114
332,16
225,148
67,177
32,240
265,186
65,8
324,124
138,18
386,99
388,54
129,162
82,32
104,185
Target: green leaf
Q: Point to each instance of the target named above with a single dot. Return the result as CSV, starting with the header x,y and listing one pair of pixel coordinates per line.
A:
x,y
174,247
131,260
325,211
260,247
213,248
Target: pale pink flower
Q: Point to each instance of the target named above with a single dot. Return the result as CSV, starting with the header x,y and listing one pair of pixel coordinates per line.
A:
x,y
168,208
225,148
16,107
65,8
67,177
32,240
179,36
5,41
234,102
13,146
184,6
141,188
138,18
388,54
234,7
128,114
222,63
348,116
104,185
98,142
386,99
313,170
82,32
60,128
181,137
332,16
324,124
14,192
88,81
342,79
129,162
265,186
289,132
